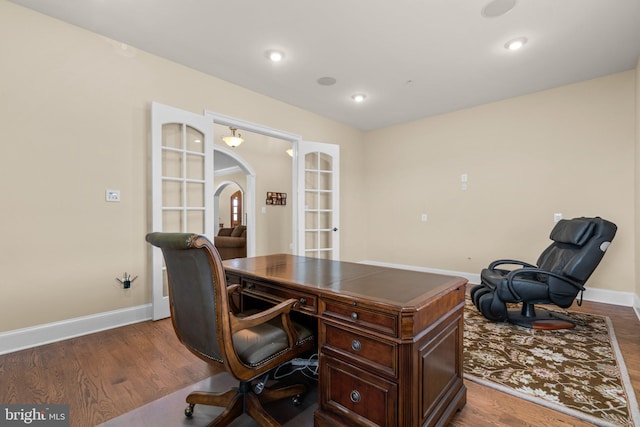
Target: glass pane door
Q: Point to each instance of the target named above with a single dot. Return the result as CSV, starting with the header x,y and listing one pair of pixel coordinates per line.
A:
x,y
318,170
182,183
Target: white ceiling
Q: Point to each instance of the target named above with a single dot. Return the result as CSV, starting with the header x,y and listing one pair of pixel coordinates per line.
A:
x,y
413,58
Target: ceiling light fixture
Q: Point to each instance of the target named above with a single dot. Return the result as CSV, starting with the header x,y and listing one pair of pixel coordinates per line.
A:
x,y
233,140
516,44
358,97
274,55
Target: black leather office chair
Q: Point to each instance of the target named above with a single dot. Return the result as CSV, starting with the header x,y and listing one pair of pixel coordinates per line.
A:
x,y
247,344
560,274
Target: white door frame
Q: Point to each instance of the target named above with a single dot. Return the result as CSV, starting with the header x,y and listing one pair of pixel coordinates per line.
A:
x,y
274,133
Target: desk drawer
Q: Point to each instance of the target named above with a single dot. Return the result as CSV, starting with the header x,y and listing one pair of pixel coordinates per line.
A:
x,y
278,293
356,396
356,314
370,352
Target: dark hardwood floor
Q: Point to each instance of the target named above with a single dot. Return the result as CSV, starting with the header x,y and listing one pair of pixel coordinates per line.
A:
x,y
106,374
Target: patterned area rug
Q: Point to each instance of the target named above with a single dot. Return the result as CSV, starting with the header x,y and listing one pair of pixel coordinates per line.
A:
x,y
577,371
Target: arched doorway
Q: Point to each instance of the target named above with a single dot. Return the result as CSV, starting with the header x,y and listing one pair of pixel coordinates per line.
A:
x,y
239,175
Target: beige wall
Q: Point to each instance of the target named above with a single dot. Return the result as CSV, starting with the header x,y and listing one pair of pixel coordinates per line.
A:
x,y
567,150
75,115
75,121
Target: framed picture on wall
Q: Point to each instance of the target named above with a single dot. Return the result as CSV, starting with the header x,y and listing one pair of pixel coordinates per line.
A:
x,y
274,198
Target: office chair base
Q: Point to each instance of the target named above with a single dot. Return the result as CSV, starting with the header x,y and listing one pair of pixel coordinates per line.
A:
x,y
543,319
241,400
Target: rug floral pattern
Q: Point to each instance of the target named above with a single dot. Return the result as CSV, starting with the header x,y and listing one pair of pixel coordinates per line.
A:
x,y
574,371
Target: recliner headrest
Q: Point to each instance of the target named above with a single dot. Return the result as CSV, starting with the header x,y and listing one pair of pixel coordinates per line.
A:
x,y
574,231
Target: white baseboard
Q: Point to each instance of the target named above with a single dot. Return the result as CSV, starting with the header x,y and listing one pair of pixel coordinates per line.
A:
x,y
626,299
20,339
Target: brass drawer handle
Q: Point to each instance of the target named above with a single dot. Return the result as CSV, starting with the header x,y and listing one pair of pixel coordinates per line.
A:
x,y
303,301
355,396
354,315
356,345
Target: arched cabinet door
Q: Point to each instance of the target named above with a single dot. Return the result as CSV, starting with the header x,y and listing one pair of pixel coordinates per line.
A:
x,y
319,198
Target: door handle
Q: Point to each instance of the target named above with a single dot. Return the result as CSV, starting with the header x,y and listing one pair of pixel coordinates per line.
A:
x,y
335,229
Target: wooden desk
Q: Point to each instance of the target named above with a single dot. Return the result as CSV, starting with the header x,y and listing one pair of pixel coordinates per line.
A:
x,y
389,340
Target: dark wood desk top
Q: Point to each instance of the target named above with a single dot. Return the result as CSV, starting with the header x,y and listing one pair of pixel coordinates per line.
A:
x,y
401,289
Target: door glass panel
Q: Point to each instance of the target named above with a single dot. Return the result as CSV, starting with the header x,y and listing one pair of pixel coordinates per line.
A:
x,y
311,180
324,239
195,140
325,220
172,135
171,164
172,193
311,200
325,181
195,167
195,194
195,222
325,162
311,220
325,200
172,220
311,238
311,161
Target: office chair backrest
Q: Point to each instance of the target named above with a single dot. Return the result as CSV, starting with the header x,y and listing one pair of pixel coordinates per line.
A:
x,y
578,247
193,294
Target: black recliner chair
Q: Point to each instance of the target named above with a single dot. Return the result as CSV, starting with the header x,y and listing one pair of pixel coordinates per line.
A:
x,y
561,272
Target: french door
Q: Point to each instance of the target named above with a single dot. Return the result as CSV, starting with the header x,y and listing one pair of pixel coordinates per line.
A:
x,y
318,208
182,184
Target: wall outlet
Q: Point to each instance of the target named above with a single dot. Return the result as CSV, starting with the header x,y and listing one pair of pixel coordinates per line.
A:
x,y
423,217
557,217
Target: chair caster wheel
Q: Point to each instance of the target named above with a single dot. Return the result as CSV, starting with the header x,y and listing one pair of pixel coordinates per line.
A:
x,y
296,400
188,411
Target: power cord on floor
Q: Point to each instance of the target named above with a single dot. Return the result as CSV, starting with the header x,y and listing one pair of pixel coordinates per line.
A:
x,y
307,367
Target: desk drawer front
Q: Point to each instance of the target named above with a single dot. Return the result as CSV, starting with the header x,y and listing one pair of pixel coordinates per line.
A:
x,y
278,293
365,318
370,352
356,396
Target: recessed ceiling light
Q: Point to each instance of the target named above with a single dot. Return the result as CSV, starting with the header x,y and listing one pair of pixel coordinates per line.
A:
x,y
516,44
497,8
358,97
274,55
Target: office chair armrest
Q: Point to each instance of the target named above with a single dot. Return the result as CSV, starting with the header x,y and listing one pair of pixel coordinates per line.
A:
x,y
496,263
261,317
282,309
520,271
234,289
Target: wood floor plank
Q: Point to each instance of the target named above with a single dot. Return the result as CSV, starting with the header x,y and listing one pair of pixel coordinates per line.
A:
x,y
109,373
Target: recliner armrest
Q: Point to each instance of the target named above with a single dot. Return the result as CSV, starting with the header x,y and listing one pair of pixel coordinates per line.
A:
x,y
499,262
522,271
